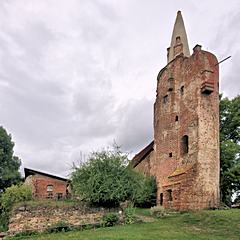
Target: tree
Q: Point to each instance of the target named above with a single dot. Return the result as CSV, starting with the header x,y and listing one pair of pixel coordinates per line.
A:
x,y
106,180
9,164
229,147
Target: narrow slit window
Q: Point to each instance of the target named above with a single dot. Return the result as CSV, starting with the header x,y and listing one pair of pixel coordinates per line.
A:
x,y
185,144
176,119
182,90
161,199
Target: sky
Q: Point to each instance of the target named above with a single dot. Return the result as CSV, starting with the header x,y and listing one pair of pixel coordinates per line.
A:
x,y
78,75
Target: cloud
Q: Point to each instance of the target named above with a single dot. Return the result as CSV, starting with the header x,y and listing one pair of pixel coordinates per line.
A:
x,y
77,75
136,127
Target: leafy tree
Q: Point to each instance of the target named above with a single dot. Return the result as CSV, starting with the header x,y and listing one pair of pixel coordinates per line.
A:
x,y
229,147
106,180
9,164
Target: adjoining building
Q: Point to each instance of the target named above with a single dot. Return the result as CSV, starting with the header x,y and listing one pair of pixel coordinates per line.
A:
x,y
184,156
46,186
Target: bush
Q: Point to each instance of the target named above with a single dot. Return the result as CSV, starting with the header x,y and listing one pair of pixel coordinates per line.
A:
x,y
145,191
129,215
26,234
158,211
14,194
60,226
105,179
110,219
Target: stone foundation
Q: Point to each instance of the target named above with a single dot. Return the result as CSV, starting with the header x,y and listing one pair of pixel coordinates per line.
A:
x,y
41,218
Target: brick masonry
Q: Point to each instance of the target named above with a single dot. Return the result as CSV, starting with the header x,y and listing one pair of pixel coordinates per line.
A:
x,y
40,186
185,160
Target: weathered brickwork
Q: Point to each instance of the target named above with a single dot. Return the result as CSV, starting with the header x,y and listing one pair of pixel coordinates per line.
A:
x,y
46,185
186,129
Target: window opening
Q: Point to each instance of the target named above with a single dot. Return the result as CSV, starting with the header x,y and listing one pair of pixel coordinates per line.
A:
x,y
185,143
182,90
161,199
170,198
178,40
59,196
170,84
170,154
176,119
165,99
49,188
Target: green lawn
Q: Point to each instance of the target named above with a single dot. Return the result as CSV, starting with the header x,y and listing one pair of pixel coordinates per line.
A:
x,y
221,224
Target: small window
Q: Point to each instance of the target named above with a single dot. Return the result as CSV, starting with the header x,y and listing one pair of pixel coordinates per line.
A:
x,y
169,192
50,195
165,99
49,188
170,154
170,84
182,90
161,199
176,119
184,148
178,39
59,196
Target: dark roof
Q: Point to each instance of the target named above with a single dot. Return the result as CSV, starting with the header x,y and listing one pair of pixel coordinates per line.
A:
x,y
142,154
29,172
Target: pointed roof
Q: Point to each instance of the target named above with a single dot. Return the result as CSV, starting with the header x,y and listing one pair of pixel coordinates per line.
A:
x,y
178,31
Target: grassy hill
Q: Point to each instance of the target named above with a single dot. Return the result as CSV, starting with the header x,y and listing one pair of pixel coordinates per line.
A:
x,y
219,224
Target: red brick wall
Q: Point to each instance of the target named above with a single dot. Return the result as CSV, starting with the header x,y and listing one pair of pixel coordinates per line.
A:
x,y
39,185
198,117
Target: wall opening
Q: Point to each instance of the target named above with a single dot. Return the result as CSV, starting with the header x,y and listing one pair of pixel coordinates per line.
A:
x,y
59,196
178,39
169,192
170,154
185,144
182,90
176,119
165,99
49,191
170,84
161,199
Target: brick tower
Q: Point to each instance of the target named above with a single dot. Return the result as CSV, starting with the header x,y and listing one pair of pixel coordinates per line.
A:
x,y
185,156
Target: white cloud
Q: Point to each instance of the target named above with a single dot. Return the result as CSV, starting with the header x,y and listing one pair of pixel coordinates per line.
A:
x,y
76,75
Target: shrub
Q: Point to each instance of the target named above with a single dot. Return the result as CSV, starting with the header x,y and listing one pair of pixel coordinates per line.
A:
x,y
158,211
26,234
60,226
110,219
145,191
129,215
105,179
14,194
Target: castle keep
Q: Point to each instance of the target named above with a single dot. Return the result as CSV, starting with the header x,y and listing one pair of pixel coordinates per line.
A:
x,y
184,156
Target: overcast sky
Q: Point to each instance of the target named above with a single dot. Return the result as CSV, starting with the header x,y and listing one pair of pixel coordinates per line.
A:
x,y
76,75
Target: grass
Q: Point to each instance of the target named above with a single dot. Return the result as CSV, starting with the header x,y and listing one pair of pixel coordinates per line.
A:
x,y
48,203
217,225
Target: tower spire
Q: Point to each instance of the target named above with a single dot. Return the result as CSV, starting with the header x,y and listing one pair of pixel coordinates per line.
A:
x,y
179,42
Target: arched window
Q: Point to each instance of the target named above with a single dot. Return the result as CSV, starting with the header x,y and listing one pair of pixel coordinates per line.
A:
x,y
184,145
